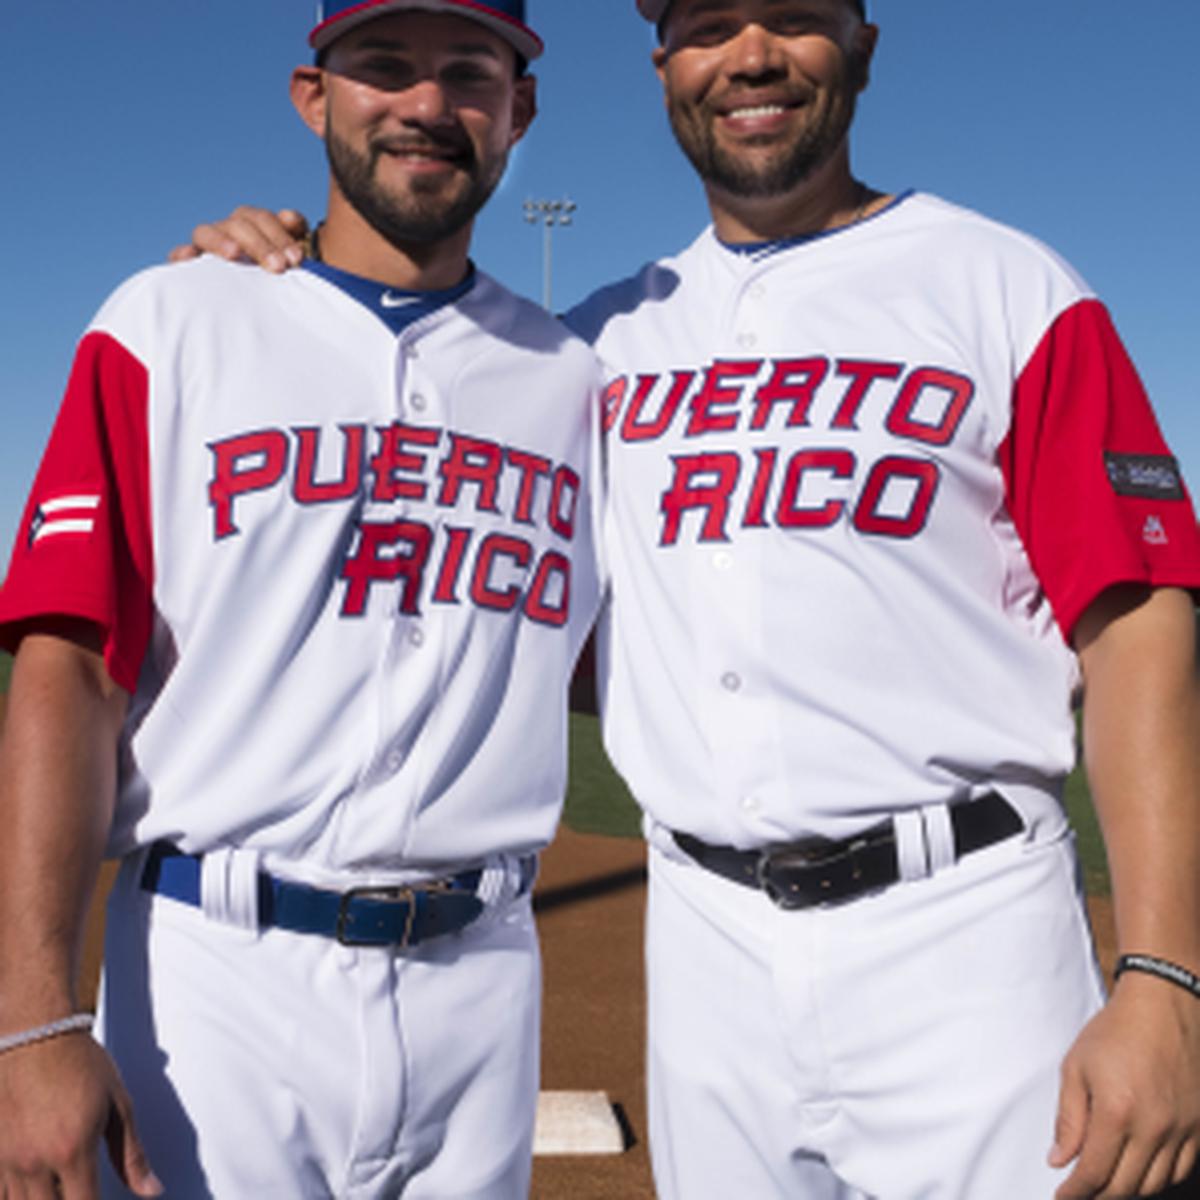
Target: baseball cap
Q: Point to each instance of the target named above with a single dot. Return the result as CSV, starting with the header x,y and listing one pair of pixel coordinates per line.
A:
x,y
506,18
653,10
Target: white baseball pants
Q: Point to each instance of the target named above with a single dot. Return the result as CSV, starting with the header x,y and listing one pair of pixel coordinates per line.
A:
x,y
285,1066
904,1046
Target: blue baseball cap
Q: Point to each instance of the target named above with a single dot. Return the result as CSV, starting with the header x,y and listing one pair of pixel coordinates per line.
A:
x,y
506,18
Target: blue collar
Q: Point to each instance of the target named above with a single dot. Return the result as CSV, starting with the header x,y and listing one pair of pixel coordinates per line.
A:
x,y
396,308
766,249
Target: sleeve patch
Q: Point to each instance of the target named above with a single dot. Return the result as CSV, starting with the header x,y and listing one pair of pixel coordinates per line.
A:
x,y
1148,476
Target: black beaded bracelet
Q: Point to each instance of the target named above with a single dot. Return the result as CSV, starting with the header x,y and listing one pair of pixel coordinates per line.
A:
x,y
1160,967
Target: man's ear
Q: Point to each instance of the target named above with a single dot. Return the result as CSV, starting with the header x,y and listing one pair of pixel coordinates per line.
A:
x,y
524,107
309,97
863,51
659,57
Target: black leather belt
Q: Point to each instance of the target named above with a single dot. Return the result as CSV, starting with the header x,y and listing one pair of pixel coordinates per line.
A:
x,y
816,870
369,916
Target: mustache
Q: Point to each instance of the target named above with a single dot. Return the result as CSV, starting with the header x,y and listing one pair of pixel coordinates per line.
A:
x,y
437,144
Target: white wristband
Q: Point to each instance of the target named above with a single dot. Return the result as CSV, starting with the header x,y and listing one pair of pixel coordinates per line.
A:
x,y
77,1023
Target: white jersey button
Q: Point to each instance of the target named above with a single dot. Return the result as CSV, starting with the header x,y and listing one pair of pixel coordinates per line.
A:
x,y
417,637
395,760
731,681
417,401
750,804
757,291
722,560
746,340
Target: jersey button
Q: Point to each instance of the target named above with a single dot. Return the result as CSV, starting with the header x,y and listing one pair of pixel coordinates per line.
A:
x,y
395,760
731,681
750,804
747,340
757,291
417,637
417,401
723,560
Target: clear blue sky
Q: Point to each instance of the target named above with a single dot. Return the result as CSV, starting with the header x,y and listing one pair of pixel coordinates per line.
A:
x,y
124,123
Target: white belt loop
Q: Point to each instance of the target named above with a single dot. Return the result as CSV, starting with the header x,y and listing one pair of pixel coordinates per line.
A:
x,y
939,836
499,880
229,887
911,853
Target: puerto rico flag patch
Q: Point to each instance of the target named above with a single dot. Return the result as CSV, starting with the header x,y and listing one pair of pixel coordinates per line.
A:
x,y
73,515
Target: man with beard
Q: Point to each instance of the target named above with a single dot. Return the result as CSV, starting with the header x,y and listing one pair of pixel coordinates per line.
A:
x,y
884,492
295,603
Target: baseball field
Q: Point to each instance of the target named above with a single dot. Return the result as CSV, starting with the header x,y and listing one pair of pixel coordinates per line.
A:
x,y
589,900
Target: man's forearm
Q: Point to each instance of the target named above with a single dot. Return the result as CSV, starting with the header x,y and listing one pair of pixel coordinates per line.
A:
x,y
57,785
1142,750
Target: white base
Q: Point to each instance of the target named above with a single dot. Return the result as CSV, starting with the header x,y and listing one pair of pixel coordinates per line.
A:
x,y
576,1123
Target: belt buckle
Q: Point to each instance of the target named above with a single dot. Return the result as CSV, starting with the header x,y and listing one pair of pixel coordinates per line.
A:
x,y
384,895
812,854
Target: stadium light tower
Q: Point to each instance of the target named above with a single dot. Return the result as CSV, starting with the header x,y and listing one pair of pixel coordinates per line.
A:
x,y
548,213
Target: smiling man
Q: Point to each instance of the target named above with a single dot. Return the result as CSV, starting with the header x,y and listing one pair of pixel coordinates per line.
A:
x,y
295,604
884,492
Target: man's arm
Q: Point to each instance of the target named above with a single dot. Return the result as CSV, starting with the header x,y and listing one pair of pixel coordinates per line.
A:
x,y
58,758
273,240
1130,1100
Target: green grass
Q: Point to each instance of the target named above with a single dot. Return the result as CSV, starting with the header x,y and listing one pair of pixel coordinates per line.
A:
x,y
598,802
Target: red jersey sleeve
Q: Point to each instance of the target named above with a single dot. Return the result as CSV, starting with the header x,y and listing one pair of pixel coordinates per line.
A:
x,y
84,546
1092,487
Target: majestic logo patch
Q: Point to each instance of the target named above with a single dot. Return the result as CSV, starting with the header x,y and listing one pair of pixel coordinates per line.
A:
x,y
1149,476
66,514
1153,532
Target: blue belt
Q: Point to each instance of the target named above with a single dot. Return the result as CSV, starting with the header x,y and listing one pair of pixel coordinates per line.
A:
x,y
368,916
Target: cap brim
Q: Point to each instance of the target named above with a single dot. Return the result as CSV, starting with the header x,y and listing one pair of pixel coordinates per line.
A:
x,y
526,43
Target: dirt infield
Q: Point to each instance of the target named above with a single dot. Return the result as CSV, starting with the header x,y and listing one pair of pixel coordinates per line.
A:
x,y
590,898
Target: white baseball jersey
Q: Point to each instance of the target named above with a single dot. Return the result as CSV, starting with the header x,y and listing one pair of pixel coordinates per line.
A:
x,y
861,486
345,574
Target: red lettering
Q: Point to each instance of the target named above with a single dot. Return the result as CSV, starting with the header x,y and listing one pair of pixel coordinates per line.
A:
x,y
924,477
633,429
755,517
306,489
611,400
791,515
902,420
530,466
564,498
716,391
553,575
457,540
862,374
370,564
392,459
471,460
793,381
483,592
251,462
685,493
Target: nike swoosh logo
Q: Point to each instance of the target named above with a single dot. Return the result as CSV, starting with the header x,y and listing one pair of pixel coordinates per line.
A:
x,y
390,301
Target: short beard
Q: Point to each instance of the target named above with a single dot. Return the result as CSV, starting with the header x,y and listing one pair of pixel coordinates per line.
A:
x,y
779,175
427,216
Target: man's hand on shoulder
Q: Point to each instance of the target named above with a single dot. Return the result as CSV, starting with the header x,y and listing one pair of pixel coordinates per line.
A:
x,y
1129,1107
59,1099
274,240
